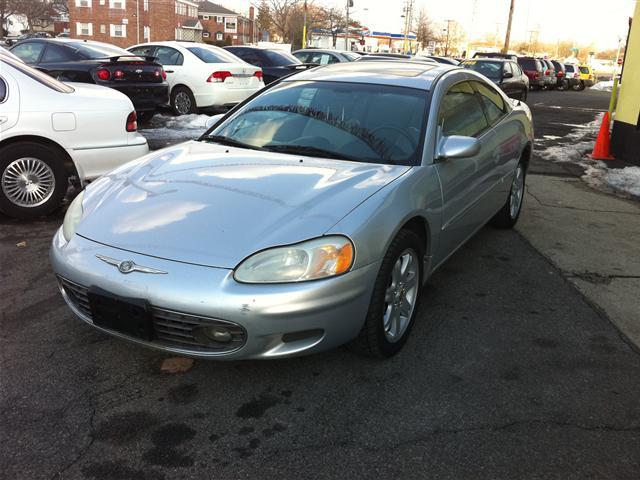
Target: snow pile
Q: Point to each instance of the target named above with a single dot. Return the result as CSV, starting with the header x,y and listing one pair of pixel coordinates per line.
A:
x,y
184,127
624,181
603,86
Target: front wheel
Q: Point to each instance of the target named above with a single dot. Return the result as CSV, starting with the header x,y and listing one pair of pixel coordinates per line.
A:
x,y
579,87
33,180
393,303
508,215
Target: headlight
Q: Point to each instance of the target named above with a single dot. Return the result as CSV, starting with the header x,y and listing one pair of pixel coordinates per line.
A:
x,y
72,217
310,260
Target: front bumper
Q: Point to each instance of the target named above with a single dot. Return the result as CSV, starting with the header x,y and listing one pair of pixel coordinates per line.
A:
x,y
277,320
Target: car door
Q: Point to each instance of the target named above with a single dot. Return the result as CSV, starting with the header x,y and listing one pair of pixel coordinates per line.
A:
x,y
509,84
465,182
9,101
173,62
504,144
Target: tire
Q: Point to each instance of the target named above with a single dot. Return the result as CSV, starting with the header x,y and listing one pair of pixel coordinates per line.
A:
x,y
523,94
377,339
508,215
562,86
48,180
182,101
579,87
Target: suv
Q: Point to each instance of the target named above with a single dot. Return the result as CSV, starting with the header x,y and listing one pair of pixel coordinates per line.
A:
x,y
572,74
549,74
561,74
533,69
587,77
503,56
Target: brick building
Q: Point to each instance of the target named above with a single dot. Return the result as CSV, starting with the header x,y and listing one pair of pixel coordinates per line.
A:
x,y
127,22
223,25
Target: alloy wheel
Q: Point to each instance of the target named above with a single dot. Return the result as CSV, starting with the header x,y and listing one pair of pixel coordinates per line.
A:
x,y
183,103
517,191
28,182
401,295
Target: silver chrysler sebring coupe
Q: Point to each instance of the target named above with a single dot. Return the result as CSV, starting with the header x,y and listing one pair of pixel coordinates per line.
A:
x,y
307,217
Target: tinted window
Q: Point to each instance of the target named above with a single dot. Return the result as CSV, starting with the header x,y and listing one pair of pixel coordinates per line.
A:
x,y
37,75
489,69
302,56
248,56
147,51
168,56
322,58
367,123
3,90
569,68
28,52
277,58
57,53
493,103
528,63
461,112
209,55
584,69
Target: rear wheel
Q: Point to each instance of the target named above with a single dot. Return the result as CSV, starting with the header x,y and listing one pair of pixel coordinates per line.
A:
x,y
33,180
182,101
508,215
579,86
523,94
393,301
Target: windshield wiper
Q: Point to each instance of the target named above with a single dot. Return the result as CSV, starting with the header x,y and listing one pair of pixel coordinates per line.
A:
x,y
309,151
222,140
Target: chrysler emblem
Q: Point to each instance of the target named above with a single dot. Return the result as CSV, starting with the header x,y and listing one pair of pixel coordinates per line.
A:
x,y
128,266
139,70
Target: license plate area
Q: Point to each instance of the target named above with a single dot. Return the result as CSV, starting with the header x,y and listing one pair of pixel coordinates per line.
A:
x,y
129,316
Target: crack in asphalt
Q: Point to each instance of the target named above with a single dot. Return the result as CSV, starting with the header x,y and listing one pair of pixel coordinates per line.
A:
x,y
84,450
576,208
597,278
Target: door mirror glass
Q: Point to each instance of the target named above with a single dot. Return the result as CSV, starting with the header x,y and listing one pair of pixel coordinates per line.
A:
x,y
456,146
507,75
212,120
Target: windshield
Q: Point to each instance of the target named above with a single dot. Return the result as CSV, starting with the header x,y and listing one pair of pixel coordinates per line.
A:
x,y
361,122
279,58
210,55
37,75
492,70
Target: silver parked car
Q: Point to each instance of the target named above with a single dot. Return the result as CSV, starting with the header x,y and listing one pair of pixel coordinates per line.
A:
x,y
308,217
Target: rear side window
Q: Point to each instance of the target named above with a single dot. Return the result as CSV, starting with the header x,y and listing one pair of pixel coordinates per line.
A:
x,y
57,53
493,103
28,52
569,68
169,56
322,58
461,112
302,56
3,90
209,55
584,69
143,51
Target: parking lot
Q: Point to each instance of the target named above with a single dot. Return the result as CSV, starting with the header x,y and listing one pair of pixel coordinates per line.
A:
x,y
510,372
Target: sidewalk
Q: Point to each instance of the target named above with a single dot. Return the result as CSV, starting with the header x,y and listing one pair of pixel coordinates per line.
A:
x,y
593,239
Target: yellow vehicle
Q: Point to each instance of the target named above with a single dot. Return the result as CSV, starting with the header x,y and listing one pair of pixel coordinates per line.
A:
x,y
587,77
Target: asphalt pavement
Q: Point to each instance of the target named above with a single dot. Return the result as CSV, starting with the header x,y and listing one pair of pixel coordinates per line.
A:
x,y
510,372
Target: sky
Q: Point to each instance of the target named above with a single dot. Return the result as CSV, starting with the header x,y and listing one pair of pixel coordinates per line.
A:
x,y
600,22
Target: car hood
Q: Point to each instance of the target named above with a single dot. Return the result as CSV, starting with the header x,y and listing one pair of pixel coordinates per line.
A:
x,y
213,205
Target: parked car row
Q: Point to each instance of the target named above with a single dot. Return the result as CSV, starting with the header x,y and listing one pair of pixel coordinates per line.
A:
x,y
548,74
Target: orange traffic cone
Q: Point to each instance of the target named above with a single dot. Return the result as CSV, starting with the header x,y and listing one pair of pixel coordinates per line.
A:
x,y
601,150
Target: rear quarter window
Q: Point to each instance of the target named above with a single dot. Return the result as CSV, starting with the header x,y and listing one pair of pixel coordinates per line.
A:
x,y
3,90
527,63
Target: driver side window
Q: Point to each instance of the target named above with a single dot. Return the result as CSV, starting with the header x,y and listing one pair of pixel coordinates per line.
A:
x,y
461,112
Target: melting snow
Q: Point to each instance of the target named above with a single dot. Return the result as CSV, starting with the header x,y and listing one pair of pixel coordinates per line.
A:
x,y
603,86
184,127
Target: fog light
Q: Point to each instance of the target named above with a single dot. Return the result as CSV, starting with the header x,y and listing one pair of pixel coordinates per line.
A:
x,y
217,334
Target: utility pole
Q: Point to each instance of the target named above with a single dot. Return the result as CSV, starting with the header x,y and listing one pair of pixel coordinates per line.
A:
x,y
346,38
507,36
446,45
304,27
138,21
408,20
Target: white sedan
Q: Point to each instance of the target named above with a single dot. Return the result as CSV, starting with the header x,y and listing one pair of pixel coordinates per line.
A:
x,y
51,132
201,75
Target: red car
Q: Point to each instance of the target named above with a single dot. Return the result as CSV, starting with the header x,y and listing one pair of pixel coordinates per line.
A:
x,y
533,69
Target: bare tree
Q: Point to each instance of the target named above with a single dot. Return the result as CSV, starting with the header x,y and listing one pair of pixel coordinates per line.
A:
x,y
424,29
333,20
280,12
38,13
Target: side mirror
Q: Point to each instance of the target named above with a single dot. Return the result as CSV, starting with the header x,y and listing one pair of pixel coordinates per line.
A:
x,y
457,146
507,75
212,120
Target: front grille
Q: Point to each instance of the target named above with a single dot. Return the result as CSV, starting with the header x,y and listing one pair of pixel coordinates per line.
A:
x,y
173,329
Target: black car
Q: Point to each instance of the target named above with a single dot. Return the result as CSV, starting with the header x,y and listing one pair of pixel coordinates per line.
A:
x,y
507,74
562,83
324,57
275,63
141,79
27,36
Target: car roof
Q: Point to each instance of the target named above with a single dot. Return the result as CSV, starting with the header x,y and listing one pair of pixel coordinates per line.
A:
x,y
488,59
397,73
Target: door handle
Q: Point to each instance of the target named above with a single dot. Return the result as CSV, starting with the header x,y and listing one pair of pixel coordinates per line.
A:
x,y
3,120
168,71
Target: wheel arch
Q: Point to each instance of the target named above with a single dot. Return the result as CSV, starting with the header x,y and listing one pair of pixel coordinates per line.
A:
x,y
527,153
69,165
